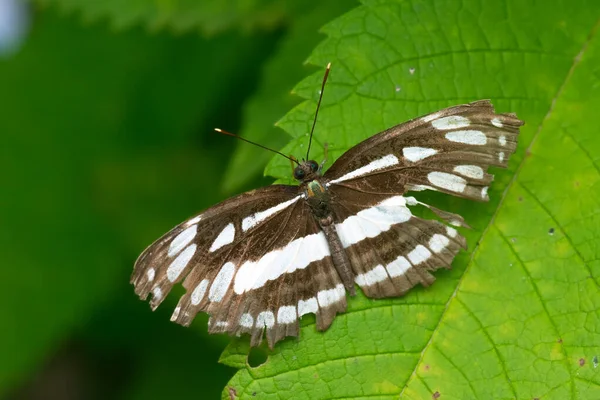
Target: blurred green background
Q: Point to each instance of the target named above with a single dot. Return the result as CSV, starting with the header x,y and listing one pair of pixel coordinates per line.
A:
x,y
106,116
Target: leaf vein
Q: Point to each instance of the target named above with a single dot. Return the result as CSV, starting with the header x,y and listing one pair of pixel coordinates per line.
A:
x,y
494,346
543,304
559,226
330,360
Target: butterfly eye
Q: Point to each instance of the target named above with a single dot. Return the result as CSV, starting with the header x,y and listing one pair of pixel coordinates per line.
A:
x,y
314,166
298,173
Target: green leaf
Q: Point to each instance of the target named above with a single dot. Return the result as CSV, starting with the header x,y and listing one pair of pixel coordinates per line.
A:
x,y
274,95
517,316
207,16
101,134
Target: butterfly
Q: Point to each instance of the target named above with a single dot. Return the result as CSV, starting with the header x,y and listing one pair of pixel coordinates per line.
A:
x,y
258,262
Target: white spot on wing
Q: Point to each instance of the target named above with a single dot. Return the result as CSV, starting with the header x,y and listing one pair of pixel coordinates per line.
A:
x,y
297,254
331,296
260,216
221,283
470,171
447,181
419,188
199,291
484,192
182,240
265,318
372,277
451,122
381,163
417,153
286,314
419,254
221,324
398,267
467,137
150,274
411,201
246,320
496,122
502,140
451,232
225,237
180,262
194,220
307,306
175,313
501,156
157,293
430,117
372,221
438,242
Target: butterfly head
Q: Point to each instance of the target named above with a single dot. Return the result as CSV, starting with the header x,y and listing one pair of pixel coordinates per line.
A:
x,y
307,171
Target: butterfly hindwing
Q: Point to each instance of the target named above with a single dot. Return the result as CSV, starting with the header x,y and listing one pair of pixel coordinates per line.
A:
x,y
391,250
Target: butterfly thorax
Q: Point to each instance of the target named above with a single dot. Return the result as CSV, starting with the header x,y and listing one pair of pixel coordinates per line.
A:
x,y
317,197
316,194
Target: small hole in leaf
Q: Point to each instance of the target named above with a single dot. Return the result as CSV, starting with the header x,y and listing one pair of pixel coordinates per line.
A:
x,y
257,356
436,395
551,231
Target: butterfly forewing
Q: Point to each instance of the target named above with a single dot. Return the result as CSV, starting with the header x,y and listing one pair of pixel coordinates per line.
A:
x,y
260,261
448,151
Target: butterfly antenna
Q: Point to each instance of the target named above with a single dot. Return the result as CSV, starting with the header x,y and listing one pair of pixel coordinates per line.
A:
x,y
318,106
292,159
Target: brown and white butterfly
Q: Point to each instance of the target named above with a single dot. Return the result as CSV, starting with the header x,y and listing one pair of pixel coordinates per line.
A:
x,y
258,262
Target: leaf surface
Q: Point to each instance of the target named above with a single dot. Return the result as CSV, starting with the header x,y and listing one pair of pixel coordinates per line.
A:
x,y
517,316
207,16
99,131
274,95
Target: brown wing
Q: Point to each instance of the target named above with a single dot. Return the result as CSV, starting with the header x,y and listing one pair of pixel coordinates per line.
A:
x,y
449,151
390,250
255,263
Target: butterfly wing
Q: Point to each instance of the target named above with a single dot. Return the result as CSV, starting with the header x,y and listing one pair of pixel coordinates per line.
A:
x,y
391,250
254,263
447,151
